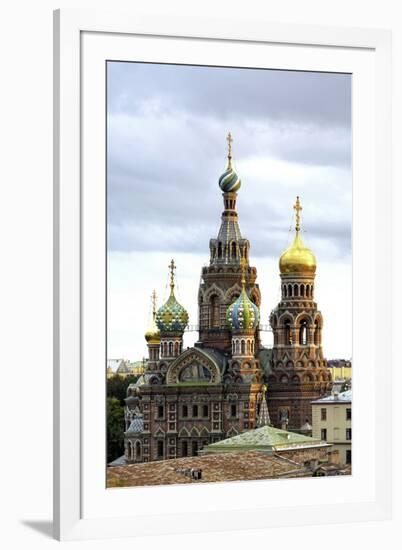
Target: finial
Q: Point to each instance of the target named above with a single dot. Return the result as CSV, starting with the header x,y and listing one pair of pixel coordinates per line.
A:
x,y
172,267
229,139
153,299
243,265
298,209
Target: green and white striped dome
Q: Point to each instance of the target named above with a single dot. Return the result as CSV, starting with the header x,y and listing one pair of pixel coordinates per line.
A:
x,y
229,181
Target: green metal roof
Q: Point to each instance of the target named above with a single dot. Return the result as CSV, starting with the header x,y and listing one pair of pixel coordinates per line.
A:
x,y
267,439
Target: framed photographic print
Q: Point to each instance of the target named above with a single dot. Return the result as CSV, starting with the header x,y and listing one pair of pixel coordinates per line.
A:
x,y
222,272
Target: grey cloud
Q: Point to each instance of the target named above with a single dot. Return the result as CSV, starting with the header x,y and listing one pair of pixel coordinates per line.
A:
x,y
216,91
166,150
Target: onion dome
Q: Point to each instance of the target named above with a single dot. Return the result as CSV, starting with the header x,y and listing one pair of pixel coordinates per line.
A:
x,y
243,314
172,317
297,258
229,181
152,335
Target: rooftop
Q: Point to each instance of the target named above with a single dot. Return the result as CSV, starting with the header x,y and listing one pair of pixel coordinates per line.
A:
x,y
249,465
345,397
266,439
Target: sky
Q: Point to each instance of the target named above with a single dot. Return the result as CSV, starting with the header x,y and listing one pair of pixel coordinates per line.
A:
x,y
166,136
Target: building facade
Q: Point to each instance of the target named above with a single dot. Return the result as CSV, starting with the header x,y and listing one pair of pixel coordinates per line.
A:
x,y
187,399
332,422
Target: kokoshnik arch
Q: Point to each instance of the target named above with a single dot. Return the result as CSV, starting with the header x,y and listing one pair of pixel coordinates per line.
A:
x,y
187,399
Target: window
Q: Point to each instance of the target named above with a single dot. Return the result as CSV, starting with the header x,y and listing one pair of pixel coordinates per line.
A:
x,y
287,333
215,317
323,414
205,411
195,410
233,410
348,456
194,448
348,414
160,449
160,411
303,333
324,434
348,434
184,448
184,411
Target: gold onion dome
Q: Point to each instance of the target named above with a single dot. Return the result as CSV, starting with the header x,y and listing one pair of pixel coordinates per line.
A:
x,y
172,317
243,314
297,258
229,181
152,335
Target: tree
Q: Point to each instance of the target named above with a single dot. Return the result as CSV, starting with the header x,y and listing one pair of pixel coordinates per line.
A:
x,y
115,428
116,386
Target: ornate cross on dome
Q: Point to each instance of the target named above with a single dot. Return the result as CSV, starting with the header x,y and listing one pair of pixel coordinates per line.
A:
x,y
298,207
172,267
229,139
243,265
153,298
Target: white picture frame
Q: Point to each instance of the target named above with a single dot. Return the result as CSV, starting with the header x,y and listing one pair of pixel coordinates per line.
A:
x,y
83,508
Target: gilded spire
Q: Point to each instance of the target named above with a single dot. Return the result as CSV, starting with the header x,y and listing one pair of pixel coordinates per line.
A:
x,y
297,258
152,335
298,208
153,300
172,267
229,139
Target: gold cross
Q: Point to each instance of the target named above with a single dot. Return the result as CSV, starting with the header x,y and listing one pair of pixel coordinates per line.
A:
x,y
243,265
229,139
153,298
298,209
172,267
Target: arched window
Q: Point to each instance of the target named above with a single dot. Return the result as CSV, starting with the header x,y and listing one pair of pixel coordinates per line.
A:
x,y
285,291
176,348
301,290
215,320
170,348
248,347
308,291
303,333
243,347
220,250
296,290
137,451
287,333
237,346
317,333
234,250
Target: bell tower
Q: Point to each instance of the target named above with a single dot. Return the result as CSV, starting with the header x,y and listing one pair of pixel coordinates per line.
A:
x,y
299,368
221,280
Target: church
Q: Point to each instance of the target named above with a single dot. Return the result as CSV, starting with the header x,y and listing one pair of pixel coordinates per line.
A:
x,y
188,399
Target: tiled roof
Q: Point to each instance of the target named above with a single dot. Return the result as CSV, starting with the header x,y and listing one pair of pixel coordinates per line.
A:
x,y
222,467
136,426
267,439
